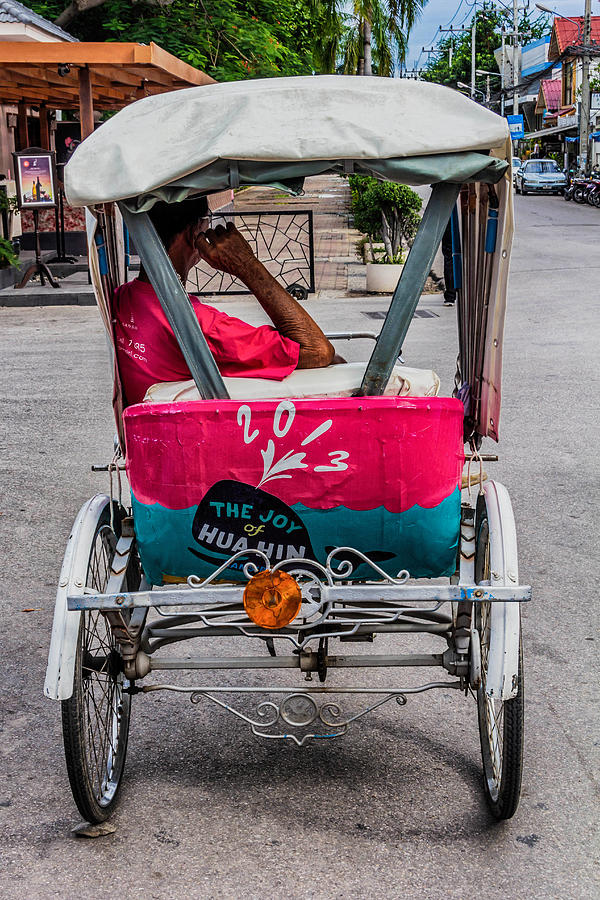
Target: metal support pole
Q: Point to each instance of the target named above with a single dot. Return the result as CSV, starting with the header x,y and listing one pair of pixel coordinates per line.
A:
x,y
408,290
584,116
502,73
176,305
515,56
308,664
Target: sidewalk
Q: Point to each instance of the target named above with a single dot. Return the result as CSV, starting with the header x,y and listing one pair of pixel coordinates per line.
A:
x,y
339,271
72,278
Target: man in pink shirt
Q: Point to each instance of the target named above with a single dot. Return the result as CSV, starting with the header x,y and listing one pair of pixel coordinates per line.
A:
x,y
146,346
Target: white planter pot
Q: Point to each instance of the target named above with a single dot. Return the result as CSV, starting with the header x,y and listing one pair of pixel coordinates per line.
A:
x,y
382,278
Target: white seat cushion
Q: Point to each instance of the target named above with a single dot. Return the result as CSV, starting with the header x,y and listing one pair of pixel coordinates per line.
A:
x,y
333,381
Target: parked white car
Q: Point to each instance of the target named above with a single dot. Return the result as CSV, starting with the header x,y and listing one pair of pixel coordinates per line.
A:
x,y
540,176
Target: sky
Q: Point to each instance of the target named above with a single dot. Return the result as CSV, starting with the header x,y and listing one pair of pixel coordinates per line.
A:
x,y
443,12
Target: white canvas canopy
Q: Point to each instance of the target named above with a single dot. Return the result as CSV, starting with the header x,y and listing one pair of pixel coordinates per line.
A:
x,y
279,131
254,127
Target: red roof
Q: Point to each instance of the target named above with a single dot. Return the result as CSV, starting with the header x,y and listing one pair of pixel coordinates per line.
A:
x,y
551,89
566,33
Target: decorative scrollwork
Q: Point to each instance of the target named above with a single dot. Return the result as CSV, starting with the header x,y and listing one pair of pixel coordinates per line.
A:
x,y
308,569
269,713
298,710
249,569
345,567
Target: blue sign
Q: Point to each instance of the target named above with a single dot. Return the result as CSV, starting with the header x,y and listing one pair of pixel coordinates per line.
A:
x,y
517,127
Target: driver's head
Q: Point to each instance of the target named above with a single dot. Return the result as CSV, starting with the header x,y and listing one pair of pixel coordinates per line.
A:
x,y
188,218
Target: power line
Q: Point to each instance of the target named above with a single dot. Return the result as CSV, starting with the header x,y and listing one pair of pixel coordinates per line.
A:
x,y
449,22
471,9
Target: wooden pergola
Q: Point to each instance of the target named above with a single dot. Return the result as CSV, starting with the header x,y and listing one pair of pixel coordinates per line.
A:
x,y
86,76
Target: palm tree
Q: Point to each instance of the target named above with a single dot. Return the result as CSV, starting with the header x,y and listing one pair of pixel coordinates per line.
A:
x,y
354,38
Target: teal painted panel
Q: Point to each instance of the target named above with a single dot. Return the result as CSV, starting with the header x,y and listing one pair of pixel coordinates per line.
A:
x,y
175,543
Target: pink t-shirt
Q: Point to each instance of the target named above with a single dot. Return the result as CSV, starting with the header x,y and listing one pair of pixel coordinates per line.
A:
x,y
148,351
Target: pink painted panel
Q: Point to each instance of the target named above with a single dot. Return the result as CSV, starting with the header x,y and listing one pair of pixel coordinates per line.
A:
x,y
360,453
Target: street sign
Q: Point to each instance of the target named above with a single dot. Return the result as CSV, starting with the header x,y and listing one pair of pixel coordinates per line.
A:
x,y
517,127
595,101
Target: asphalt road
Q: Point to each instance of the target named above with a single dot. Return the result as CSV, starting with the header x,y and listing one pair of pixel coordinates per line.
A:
x,y
394,809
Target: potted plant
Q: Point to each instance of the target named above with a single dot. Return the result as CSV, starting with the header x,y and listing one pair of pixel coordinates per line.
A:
x,y
388,214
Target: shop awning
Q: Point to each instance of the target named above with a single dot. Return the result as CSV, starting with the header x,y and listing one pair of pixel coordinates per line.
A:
x,y
556,129
117,74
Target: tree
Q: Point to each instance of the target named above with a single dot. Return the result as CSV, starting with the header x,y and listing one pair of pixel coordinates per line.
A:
x,y
369,37
228,39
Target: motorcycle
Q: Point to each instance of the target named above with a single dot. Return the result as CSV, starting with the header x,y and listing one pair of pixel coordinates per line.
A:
x,y
576,190
593,193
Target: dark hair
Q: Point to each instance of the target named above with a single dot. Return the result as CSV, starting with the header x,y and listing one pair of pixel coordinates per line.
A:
x,y
170,219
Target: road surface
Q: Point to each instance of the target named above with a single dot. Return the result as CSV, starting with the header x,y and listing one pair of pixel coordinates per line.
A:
x,y
394,809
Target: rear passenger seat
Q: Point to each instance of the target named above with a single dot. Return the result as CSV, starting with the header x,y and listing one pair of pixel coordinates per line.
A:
x,y
334,381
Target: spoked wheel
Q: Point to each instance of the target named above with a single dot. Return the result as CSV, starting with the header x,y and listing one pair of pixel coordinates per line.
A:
x,y
500,721
95,718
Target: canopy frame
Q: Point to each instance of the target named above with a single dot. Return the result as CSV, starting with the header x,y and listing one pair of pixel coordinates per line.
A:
x,y
407,294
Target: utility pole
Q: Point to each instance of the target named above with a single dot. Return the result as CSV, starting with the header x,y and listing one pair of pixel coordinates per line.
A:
x,y
473,26
502,75
515,55
584,115
451,31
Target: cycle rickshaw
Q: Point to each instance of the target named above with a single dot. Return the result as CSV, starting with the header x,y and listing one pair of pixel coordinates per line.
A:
x,y
322,512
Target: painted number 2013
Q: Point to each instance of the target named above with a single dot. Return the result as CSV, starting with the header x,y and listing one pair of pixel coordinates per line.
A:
x,y
283,420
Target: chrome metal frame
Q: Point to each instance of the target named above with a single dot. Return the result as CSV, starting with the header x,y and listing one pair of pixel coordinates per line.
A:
x,y
333,606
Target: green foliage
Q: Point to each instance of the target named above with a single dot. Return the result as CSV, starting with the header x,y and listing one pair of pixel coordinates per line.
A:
x,y
228,39
385,211
488,37
235,39
8,257
340,38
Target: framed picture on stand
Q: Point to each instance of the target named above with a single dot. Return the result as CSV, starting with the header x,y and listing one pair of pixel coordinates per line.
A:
x,y
35,175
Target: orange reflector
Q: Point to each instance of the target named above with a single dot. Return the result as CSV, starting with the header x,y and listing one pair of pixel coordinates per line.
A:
x,y
272,599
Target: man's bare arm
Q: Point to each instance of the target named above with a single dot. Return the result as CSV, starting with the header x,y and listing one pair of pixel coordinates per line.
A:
x,y
227,250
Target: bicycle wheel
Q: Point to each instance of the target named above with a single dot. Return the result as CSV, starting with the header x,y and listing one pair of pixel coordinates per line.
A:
x,y
500,721
95,718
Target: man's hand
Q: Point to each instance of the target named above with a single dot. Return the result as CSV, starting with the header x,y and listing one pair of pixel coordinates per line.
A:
x,y
225,249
